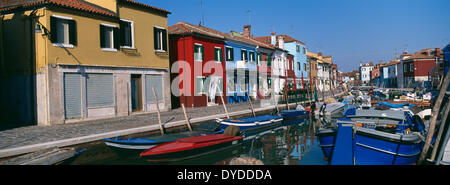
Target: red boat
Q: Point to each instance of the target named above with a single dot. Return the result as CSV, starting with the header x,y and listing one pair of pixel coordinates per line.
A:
x,y
191,147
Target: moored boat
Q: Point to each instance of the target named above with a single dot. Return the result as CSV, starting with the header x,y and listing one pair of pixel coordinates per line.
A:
x,y
190,147
252,123
379,137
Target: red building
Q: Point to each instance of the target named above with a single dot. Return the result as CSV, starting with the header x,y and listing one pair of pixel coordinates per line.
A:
x,y
290,72
199,52
417,67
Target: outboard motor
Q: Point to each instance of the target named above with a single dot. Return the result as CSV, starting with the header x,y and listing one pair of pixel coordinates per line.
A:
x,y
322,109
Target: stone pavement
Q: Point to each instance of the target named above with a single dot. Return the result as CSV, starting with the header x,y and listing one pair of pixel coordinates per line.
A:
x,y
32,138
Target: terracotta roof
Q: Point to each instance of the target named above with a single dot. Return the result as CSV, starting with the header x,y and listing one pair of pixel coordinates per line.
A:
x,y
74,4
267,40
287,38
144,5
249,40
422,54
187,28
10,5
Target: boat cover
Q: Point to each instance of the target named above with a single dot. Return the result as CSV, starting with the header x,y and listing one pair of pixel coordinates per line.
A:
x,y
397,105
255,119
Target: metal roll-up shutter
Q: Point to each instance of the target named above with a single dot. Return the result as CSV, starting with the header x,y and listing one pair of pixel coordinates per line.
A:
x,y
100,92
155,81
72,95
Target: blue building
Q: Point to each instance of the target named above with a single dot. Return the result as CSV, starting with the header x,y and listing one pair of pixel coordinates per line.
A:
x,y
298,49
446,51
241,70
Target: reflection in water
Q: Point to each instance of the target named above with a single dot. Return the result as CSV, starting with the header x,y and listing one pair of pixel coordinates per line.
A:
x,y
291,144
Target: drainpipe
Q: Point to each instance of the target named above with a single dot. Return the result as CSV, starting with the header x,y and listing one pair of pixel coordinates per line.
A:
x,y
2,56
32,66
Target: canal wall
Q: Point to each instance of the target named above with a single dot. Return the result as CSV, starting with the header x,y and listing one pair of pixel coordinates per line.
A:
x,y
34,138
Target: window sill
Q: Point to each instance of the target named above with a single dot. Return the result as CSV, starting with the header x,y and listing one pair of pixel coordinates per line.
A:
x,y
127,47
198,60
109,49
160,51
63,45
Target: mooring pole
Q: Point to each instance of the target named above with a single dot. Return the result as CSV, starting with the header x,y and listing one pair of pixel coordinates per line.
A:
x,y
435,113
186,117
157,108
223,103
251,105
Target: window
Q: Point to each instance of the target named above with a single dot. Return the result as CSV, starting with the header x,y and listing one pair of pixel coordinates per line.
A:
x,y
199,80
198,52
154,81
405,67
305,66
109,37
411,67
298,48
63,31
229,54
299,66
127,33
160,39
244,56
218,54
269,60
252,56
99,90
258,59
304,50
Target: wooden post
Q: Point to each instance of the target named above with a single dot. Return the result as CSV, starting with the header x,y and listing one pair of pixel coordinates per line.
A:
x,y
186,117
441,130
223,103
435,113
251,105
157,108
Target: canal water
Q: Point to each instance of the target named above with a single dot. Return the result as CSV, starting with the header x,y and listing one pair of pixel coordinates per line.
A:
x,y
292,143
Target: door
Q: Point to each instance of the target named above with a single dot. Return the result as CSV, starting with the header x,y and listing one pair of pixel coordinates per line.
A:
x,y
72,95
136,92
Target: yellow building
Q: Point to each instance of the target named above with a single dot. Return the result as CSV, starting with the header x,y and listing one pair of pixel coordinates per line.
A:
x,y
69,60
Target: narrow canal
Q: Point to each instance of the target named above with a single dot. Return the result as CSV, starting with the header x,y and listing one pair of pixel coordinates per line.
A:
x,y
291,143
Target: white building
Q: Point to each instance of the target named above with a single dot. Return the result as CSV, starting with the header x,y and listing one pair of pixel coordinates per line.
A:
x,y
364,71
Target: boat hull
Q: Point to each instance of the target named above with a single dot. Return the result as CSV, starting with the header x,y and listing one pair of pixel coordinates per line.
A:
x,y
372,147
250,124
179,150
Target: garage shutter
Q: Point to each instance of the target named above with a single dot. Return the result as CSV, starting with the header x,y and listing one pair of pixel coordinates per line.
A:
x,y
153,81
100,91
72,95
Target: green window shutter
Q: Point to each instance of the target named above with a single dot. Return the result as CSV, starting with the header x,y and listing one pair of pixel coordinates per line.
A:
x,y
155,38
269,60
73,32
164,39
53,31
102,36
203,53
216,58
116,38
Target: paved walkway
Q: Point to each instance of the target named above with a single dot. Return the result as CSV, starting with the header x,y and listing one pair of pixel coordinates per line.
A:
x,y
32,138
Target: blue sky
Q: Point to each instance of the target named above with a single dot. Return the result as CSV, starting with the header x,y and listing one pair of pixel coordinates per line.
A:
x,y
350,30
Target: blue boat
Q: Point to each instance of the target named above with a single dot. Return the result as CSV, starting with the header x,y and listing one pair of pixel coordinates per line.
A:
x,y
252,123
367,139
294,114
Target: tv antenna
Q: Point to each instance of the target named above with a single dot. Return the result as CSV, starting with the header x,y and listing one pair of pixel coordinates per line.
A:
x,y
249,17
203,16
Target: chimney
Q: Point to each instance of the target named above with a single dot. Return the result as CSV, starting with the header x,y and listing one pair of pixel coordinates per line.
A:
x,y
273,39
247,30
320,53
280,42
